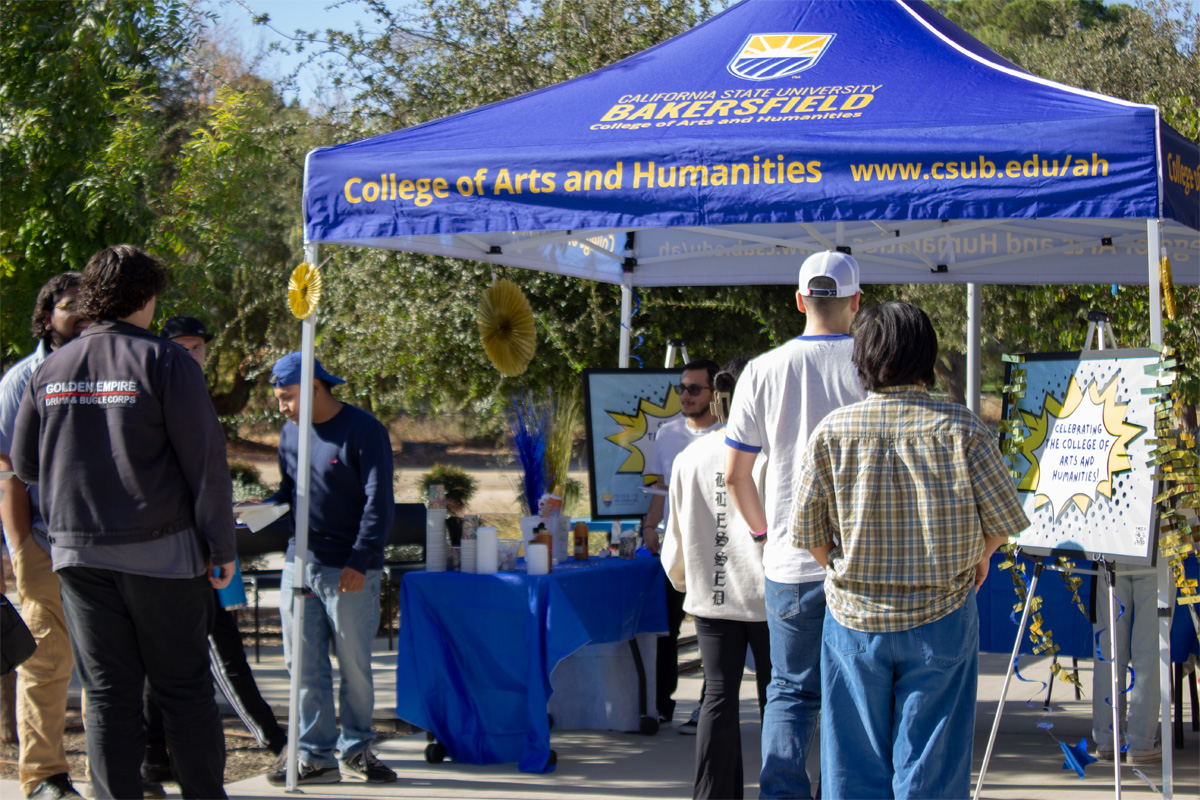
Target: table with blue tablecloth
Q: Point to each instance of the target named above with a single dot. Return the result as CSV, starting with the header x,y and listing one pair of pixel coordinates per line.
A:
x,y
475,652
1000,613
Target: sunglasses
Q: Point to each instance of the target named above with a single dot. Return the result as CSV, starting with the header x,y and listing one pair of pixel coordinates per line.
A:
x,y
692,389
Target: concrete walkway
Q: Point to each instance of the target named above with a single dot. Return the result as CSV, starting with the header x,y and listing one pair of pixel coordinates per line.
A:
x,y
1026,764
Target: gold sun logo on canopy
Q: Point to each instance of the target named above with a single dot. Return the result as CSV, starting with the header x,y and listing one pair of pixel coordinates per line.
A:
x,y
304,290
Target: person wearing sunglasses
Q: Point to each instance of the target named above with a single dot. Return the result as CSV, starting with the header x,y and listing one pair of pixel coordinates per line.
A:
x,y
43,679
696,419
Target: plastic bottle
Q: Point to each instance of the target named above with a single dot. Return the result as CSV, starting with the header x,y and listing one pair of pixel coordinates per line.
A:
x,y
581,541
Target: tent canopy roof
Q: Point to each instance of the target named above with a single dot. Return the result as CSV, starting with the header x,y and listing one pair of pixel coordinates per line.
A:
x,y
777,128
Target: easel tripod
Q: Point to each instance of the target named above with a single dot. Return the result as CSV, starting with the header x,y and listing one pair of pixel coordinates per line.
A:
x,y
1099,330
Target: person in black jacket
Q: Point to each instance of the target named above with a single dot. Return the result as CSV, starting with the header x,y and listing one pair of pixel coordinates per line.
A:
x,y
230,668
117,429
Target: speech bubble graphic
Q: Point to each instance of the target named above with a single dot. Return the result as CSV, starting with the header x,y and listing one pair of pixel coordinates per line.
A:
x,y
638,431
1075,446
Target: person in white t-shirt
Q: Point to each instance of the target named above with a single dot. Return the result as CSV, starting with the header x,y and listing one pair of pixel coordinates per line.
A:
x,y
709,554
696,420
782,396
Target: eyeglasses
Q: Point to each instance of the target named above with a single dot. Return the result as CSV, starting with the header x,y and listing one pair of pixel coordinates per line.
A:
x,y
692,389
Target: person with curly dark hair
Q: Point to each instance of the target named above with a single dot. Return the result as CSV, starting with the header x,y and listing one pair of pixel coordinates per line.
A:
x,y
43,679
118,430
120,280
60,293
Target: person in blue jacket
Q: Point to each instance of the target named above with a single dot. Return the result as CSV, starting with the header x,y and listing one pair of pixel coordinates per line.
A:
x,y
350,513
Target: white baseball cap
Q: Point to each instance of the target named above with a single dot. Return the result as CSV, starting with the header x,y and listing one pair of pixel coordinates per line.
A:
x,y
832,264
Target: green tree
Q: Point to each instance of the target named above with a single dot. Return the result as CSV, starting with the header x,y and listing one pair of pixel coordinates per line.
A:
x,y
229,229
81,86
1148,53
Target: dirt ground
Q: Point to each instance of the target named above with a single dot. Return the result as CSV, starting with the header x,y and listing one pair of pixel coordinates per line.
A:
x,y
243,757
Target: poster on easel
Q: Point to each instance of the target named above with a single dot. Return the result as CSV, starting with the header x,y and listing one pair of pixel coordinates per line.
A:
x,y
1081,468
623,410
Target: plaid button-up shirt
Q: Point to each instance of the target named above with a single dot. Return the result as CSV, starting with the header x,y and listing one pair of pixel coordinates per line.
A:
x,y
906,488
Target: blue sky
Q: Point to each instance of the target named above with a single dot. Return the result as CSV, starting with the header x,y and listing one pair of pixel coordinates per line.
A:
x,y
287,16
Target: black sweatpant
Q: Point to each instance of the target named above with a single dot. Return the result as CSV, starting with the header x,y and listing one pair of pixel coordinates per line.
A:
x,y
127,629
231,671
667,657
723,645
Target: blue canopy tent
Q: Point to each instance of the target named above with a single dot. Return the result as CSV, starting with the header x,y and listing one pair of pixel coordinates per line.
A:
x,y
775,129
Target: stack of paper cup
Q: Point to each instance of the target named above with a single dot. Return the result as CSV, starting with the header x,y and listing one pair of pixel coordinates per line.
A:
x,y
487,551
537,559
469,543
435,540
435,530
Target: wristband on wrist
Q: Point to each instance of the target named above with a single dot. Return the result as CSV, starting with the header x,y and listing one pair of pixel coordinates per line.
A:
x,y
759,536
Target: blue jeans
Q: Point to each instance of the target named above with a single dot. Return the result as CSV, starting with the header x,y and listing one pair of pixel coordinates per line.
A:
x,y
900,708
795,612
350,622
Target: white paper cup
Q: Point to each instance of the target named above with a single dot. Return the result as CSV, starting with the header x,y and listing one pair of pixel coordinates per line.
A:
x,y
487,551
537,559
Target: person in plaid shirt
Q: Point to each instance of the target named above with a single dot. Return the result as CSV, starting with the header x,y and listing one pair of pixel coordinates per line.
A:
x,y
903,499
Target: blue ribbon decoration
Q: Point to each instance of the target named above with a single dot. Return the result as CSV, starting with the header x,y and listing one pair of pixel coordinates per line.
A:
x,y
1076,756
637,306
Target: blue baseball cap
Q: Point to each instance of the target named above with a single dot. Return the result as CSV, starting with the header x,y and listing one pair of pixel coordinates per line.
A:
x,y
287,371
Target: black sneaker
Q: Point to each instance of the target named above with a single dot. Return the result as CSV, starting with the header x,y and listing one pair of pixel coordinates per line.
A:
x,y
305,773
158,773
365,766
692,725
54,788
153,790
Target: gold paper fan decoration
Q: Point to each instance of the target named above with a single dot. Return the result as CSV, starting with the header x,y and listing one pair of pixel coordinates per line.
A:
x,y
304,290
506,327
1168,287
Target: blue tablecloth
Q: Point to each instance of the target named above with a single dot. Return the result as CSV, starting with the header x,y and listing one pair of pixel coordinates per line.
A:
x,y
1071,629
475,652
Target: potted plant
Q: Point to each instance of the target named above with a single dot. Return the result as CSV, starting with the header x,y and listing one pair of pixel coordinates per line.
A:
x,y
459,487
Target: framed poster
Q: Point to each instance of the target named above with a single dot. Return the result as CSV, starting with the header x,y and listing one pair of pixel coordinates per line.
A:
x,y
623,409
1082,464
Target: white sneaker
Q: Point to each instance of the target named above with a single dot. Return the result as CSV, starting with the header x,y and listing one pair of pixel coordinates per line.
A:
x,y
1149,755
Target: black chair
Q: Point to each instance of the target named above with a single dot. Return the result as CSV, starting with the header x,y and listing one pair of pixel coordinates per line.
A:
x,y
408,530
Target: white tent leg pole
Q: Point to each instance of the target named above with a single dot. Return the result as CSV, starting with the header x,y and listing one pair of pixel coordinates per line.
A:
x,y
626,315
1165,585
974,323
299,565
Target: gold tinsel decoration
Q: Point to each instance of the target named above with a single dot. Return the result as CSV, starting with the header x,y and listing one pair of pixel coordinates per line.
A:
x,y
304,290
506,328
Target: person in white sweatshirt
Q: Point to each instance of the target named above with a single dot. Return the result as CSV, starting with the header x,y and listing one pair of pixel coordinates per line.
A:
x,y
708,553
